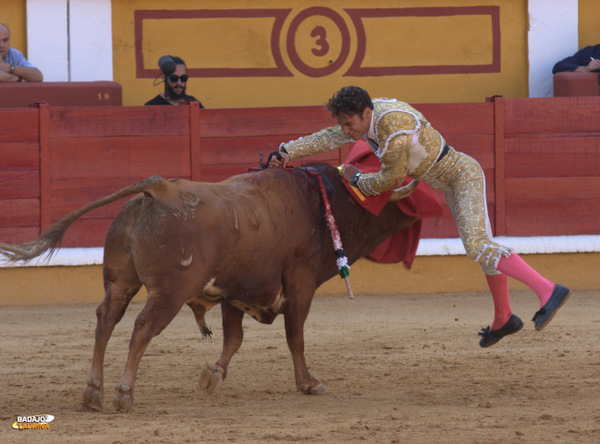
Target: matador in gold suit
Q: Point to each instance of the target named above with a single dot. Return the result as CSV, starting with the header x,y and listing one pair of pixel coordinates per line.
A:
x,y
407,145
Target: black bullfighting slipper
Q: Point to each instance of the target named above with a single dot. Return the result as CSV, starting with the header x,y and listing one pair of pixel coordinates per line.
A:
x,y
490,337
560,294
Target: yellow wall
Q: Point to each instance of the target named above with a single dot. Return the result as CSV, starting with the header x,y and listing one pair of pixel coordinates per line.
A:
x,y
589,28
208,43
237,43
13,14
430,274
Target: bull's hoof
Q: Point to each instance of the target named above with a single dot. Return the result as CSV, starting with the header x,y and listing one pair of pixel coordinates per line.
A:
x,y
123,403
93,398
123,399
318,389
211,379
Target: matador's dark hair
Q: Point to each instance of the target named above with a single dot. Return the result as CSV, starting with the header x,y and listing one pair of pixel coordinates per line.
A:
x,y
350,100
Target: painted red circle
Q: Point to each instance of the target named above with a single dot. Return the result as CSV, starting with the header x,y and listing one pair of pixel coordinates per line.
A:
x,y
293,53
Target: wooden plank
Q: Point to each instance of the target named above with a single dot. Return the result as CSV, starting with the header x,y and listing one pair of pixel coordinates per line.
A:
x,y
71,93
478,146
19,212
120,157
18,235
45,162
87,233
116,121
249,122
221,171
66,198
545,188
19,125
553,217
244,150
195,147
439,227
235,150
63,205
19,155
548,155
490,192
475,119
499,166
459,118
552,115
19,183
218,173
444,227
247,149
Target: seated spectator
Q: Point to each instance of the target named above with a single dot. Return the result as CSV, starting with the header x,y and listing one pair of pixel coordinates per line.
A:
x,y
584,60
14,67
175,85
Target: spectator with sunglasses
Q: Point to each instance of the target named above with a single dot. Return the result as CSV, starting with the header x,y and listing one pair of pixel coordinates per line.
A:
x,y
175,85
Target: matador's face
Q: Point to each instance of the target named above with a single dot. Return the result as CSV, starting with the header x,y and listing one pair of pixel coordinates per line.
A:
x,y
356,125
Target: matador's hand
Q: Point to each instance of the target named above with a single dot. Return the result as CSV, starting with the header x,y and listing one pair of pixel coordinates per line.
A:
x,y
349,171
275,162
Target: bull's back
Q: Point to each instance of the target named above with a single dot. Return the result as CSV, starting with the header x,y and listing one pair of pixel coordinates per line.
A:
x,y
244,229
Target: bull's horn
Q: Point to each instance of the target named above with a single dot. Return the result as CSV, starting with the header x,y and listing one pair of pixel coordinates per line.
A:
x,y
404,192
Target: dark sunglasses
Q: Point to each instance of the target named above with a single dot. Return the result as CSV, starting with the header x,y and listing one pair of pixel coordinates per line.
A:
x,y
174,78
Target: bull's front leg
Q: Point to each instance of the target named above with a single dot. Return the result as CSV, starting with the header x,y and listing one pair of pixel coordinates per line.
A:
x,y
212,377
295,315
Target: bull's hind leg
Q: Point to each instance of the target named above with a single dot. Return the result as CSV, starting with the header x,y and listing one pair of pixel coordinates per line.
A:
x,y
121,283
212,377
159,311
118,294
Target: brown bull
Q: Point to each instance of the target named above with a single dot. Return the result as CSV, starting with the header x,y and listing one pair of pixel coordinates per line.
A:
x,y
257,243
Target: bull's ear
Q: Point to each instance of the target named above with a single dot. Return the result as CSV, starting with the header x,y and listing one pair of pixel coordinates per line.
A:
x,y
404,192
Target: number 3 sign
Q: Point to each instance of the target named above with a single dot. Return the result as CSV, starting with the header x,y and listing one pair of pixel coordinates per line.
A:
x,y
324,40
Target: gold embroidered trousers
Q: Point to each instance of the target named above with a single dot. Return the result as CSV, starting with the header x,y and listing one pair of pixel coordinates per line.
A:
x,y
461,179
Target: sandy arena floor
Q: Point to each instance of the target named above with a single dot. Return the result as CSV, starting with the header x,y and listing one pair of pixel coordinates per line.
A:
x,y
398,369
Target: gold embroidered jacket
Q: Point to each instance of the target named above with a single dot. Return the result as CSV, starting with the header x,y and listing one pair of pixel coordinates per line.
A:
x,y
404,141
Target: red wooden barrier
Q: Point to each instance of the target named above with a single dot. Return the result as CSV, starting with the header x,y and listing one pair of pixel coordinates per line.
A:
x,y
19,174
25,94
576,84
540,157
552,150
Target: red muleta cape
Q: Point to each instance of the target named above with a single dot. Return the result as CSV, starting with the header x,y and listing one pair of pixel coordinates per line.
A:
x,y
422,203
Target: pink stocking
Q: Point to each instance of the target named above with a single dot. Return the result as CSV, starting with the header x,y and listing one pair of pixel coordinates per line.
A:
x,y
498,284
518,269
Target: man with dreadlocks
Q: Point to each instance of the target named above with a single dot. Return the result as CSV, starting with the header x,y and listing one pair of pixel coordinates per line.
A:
x,y
407,145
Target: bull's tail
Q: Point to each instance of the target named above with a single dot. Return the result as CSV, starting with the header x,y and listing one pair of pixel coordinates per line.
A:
x,y
51,238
